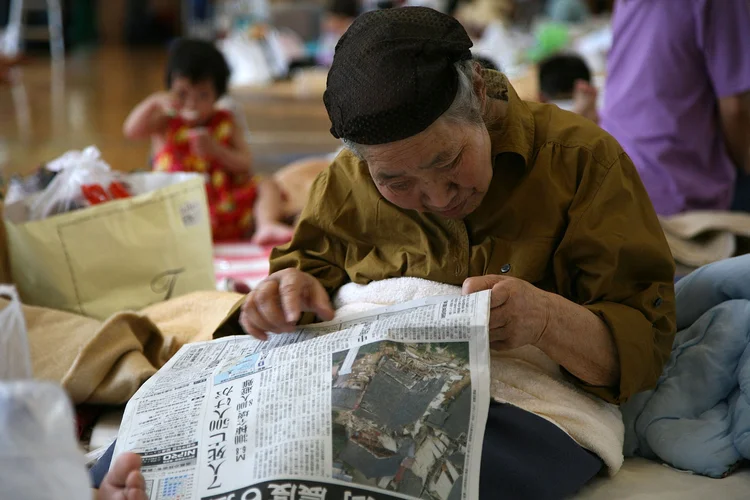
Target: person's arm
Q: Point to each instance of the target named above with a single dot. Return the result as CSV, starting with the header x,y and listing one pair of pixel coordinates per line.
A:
x,y
580,342
236,157
269,208
735,123
724,34
317,247
571,335
614,262
149,118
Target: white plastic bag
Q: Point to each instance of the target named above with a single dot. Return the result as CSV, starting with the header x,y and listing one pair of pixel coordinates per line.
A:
x,y
63,194
15,359
39,456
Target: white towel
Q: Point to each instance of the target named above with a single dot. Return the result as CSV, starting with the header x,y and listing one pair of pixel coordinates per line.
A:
x,y
525,377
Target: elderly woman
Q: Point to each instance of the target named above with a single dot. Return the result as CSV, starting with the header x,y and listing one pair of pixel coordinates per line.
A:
x,y
450,177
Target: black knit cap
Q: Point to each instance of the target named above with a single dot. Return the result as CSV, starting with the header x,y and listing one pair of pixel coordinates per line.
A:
x,y
393,74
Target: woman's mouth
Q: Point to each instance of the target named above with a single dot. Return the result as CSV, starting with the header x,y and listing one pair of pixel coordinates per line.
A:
x,y
453,211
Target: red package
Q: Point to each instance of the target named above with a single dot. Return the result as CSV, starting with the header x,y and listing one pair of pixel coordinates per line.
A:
x,y
94,193
118,191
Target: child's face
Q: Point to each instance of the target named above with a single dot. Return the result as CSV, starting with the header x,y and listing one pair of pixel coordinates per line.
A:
x,y
194,101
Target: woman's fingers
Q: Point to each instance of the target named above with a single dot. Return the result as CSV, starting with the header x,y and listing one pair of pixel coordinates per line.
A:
x,y
249,319
277,303
320,303
291,289
479,283
270,308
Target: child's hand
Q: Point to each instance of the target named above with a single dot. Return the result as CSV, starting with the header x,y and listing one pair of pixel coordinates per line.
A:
x,y
584,100
201,142
164,104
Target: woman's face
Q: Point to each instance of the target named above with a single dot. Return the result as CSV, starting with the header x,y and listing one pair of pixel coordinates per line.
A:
x,y
445,170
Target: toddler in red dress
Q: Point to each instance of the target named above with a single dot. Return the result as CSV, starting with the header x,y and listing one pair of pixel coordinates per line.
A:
x,y
190,134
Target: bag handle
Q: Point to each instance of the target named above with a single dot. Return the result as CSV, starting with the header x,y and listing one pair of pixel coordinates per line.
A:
x,y
10,291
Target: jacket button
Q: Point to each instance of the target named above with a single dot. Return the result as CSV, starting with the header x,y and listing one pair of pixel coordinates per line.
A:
x,y
505,269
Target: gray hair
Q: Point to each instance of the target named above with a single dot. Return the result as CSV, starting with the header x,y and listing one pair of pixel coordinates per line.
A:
x,y
465,109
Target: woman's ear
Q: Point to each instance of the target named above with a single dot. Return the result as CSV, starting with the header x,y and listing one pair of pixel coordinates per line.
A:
x,y
480,88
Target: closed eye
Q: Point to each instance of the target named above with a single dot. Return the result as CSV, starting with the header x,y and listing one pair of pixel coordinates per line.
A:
x,y
399,186
452,164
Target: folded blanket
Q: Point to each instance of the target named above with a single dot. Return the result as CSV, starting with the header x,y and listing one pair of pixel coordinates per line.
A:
x,y
698,416
524,377
105,363
699,238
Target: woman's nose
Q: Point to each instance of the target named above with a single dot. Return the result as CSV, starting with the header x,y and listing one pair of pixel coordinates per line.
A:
x,y
438,196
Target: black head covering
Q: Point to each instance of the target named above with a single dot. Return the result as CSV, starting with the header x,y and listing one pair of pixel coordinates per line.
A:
x,y
393,74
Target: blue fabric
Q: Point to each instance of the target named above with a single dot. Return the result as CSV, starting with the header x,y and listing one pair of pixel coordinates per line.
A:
x,y
698,416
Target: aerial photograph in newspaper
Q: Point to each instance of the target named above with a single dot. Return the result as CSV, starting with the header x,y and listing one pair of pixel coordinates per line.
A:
x,y
400,415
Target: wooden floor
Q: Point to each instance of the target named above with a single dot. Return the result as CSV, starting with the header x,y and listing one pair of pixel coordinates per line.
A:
x,y
54,109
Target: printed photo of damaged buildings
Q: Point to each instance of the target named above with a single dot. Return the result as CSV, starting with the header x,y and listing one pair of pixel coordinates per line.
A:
x,y
401,417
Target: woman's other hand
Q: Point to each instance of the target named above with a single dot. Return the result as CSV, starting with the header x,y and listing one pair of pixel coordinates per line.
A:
x,y
519,312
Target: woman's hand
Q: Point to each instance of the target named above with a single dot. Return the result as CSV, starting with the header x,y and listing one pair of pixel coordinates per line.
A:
x,y
277,303
519,312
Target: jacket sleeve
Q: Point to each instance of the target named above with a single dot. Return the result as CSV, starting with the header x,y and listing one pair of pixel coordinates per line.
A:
x,y
614,260
316,247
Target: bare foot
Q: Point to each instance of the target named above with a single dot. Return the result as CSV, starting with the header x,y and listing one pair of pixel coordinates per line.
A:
x,y
275,232
584,100
124,481
6,64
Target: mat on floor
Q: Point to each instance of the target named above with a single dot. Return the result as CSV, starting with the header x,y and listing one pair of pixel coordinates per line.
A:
x,y
241,262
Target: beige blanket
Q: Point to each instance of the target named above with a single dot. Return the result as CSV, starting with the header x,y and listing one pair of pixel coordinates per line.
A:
x,y
105,363
699,238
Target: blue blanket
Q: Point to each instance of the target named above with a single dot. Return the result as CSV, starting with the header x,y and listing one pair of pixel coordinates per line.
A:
x,y
698,416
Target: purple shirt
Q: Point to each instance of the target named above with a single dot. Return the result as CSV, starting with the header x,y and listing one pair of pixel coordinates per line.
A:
x,y
671,60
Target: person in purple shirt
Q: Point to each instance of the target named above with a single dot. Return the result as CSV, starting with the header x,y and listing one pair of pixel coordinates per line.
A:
x,y
677,99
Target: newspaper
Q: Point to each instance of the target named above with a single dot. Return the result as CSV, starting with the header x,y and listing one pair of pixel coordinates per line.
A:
x,y
388,404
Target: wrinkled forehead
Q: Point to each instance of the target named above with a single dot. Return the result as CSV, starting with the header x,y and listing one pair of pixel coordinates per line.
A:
x,y
413,156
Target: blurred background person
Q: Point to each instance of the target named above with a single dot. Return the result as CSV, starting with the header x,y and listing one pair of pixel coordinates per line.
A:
x,y
677,98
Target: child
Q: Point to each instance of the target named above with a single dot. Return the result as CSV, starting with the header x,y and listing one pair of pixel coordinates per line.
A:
x,y
339,16
565,80
190,134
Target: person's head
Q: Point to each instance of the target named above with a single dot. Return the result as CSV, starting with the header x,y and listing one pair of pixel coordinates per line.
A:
x,y
413,108
197,75
558,76
340,15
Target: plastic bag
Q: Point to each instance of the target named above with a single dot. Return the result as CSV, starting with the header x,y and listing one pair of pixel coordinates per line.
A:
x,y
23,187
39,456
83,179
15,359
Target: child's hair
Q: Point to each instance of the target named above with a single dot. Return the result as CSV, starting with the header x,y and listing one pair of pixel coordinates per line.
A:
x,y
344,8
558,75
198,61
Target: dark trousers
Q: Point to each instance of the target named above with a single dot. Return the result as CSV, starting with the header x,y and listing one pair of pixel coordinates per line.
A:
x,y
523,457
527,457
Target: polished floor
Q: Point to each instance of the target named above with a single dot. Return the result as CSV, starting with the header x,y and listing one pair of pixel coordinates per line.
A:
x,y
50,109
